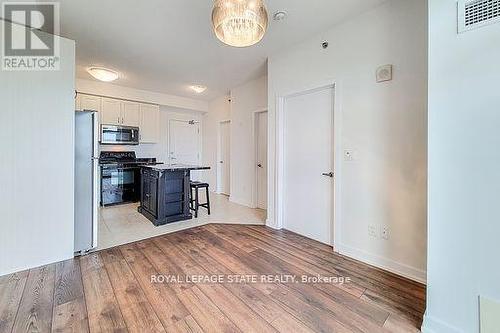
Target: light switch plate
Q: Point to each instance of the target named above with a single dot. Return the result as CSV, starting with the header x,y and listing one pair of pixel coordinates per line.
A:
x,y
384,73
384,232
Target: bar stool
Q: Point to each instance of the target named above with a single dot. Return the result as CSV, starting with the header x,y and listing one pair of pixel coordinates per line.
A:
x,y
194,202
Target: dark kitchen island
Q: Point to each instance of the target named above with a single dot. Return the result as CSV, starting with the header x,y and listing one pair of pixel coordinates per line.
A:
x,y
165,192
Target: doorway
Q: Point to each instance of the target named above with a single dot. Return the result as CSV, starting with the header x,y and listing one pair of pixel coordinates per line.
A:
x,y
224,158
260,127
308,163
184,144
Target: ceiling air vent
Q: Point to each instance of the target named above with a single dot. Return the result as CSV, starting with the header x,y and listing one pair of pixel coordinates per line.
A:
x,y
473,14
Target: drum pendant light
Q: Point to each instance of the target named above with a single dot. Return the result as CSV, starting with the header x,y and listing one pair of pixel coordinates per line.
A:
x,y
239,23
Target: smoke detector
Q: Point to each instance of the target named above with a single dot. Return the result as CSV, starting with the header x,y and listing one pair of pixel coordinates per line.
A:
x,y
280,15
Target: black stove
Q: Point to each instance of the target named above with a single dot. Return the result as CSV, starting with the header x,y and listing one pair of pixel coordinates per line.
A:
x,y
121,176
124,158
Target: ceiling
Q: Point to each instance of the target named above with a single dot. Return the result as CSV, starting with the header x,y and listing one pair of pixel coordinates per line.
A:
x,y
167,45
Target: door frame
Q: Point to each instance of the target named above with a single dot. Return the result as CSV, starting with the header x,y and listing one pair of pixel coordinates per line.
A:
x,y
335,235
187,119
255,193
218,174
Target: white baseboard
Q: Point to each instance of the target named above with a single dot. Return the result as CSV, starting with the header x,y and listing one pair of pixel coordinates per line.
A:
x,y
383,263
434,325
220,193
272,224
240,202
36,264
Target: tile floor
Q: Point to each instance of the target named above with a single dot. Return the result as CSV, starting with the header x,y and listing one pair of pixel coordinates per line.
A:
x,y
123,224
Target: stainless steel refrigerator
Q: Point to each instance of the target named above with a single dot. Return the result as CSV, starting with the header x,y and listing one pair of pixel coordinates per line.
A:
x,y
86,181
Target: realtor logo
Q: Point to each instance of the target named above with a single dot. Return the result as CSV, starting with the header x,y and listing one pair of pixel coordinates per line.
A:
x,y
29,41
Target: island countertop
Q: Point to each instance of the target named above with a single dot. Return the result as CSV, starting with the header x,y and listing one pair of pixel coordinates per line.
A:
x,y
175,167
165,192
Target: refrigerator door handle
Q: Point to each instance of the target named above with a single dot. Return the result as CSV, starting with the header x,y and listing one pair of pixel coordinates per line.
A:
x,y
96,199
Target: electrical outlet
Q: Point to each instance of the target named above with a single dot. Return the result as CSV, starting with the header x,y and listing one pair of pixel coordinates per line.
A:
x,y
372,231
384,232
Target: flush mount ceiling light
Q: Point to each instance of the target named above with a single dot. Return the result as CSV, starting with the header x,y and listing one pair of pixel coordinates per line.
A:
x,y
103,74
239,23
198,89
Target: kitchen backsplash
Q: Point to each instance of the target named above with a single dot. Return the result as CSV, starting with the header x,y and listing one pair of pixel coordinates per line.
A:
x,y
142,150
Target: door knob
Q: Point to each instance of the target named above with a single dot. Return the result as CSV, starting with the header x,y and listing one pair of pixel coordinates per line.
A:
x,y
259,165
329,174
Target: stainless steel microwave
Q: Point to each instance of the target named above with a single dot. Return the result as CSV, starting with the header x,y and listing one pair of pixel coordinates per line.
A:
x,y
119,135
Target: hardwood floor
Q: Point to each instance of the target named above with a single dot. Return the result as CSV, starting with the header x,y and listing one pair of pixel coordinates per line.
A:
x,y
122,289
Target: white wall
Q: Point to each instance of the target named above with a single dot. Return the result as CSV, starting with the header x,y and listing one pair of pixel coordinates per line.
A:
x,y
37,165
245,100
171,107
159,150
120,92
218,110
464,164
384,123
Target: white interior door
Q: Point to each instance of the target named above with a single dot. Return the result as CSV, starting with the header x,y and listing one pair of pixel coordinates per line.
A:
x,y
184,144
308,160
224,158
261,132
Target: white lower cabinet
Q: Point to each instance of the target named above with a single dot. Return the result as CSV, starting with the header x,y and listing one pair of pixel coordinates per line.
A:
x,y
150,123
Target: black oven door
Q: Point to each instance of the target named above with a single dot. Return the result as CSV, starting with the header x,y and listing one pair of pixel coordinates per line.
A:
x,y
119,135
119,185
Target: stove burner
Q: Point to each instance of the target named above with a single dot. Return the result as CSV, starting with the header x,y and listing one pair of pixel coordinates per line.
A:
x,y
117,157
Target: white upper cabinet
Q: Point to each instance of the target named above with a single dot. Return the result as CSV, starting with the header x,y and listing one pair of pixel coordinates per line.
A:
x,y
118,112
78,102
88,103
150,123
124,113
130,114
111,112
